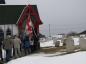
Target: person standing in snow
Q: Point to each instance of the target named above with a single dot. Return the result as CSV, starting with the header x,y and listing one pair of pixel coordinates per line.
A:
x,y
16,44
1,44
1,49
8,45
26,45
32,44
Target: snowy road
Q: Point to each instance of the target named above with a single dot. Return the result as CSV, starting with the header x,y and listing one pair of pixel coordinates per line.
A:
x,y
74,58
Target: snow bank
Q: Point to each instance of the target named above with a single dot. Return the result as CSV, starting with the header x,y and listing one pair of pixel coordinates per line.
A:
x,y
74,58
47,44
51,43
76,41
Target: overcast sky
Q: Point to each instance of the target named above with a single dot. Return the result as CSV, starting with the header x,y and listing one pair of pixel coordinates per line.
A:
x,y
63,15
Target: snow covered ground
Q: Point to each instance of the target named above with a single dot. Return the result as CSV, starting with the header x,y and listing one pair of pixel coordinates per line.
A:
x,y
40,58
47,44
50,43
76,41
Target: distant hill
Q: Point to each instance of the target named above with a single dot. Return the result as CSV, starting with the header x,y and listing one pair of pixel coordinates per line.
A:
x,y
72,34
83,32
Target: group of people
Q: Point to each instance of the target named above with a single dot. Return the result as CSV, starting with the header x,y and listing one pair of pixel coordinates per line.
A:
x,y
16,47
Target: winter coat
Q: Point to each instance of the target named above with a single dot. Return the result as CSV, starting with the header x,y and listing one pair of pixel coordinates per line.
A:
x,y
8,43
26,42
1,37
16,42
0,43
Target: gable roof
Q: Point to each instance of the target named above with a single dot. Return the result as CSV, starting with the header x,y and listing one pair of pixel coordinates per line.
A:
x,y
33,12
9,14
2,1
83,32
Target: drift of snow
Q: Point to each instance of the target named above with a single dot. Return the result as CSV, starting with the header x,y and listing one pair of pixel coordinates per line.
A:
x,y
74,58
50,43
47,44
76,41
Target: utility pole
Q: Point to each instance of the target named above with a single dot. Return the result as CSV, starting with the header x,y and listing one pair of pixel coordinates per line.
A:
x,y
49,31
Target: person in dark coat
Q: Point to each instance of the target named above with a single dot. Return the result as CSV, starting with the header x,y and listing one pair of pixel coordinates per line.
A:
x,y
32,44
1,49
26,45
1,40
